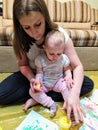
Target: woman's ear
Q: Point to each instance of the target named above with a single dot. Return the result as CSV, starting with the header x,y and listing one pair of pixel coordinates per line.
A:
x,y
44,46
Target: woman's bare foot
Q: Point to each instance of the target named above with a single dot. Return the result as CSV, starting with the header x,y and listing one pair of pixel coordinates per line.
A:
x,y
30,102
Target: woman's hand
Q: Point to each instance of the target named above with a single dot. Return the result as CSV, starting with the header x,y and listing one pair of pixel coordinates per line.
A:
x,y
32,82
72,105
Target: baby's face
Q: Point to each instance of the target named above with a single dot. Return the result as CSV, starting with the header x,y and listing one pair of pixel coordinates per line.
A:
x,y
54,46
54,54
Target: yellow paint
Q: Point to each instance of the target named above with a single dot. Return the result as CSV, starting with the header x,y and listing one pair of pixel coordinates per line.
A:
x,y
38,85
64,124
0,128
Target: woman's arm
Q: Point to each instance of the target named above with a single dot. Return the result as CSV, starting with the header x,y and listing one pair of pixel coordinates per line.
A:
x,y
25,68
75,62
72,103
76,65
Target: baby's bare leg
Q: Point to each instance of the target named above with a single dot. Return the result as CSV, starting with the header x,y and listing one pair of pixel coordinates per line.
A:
x,y
30,102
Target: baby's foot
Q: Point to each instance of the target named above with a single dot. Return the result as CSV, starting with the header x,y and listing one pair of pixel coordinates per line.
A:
x,y
53,109
30,102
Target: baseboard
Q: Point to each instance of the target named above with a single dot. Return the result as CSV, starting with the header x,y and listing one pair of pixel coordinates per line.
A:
x,y
87,55
8,61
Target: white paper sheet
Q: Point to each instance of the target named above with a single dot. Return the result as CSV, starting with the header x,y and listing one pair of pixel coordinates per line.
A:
x,y
94,96
35,121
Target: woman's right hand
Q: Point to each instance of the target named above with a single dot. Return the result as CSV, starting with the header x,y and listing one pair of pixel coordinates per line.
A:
x,y
32,82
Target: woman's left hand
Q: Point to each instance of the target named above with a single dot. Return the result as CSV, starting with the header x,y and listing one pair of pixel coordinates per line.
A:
x,y
72,105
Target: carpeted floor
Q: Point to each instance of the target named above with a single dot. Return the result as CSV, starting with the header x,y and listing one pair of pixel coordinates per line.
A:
x,y
94,76
4,75
12,116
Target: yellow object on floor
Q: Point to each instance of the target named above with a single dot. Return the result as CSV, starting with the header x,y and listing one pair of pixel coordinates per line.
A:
x,y
63,123
0,128
12,116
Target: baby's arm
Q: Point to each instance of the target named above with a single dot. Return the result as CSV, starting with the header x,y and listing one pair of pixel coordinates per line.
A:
x,y
38,79
68,77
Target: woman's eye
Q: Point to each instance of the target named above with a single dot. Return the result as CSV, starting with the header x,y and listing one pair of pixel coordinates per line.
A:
x,y
26,28
38,24
51,54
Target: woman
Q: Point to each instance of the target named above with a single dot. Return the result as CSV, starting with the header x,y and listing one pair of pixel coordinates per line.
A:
x,y
31,24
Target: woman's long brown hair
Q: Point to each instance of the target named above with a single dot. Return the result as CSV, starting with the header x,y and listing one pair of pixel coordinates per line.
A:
x,y
22,41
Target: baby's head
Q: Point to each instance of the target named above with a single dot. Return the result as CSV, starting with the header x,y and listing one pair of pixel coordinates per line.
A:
x,y
54,45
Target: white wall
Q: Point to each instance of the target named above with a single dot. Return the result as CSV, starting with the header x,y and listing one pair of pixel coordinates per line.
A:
x,y
93,3
0,3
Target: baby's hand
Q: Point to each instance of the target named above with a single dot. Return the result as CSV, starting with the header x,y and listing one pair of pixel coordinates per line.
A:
x,y
68,81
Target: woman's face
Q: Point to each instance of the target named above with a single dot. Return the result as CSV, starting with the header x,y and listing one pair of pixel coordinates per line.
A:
x,y
34,25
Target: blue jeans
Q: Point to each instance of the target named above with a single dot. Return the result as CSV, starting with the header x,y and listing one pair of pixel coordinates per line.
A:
x,y
15,89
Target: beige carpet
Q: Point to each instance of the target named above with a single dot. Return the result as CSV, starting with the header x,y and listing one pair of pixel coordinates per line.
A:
x,y
94,76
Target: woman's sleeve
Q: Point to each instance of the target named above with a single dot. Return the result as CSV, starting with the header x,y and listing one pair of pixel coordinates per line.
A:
x,y
66,60
38,61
